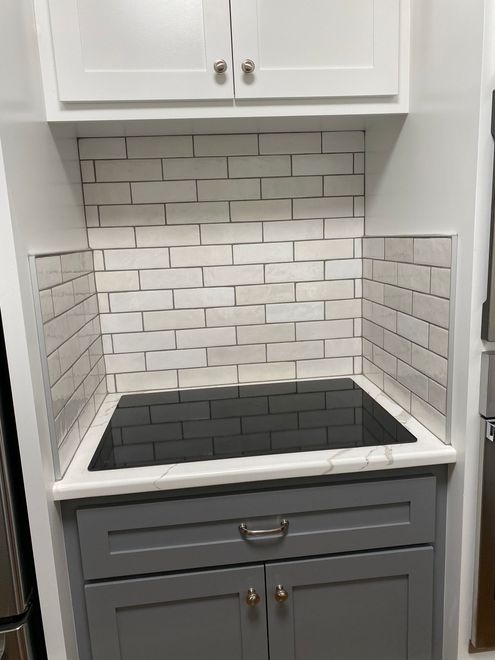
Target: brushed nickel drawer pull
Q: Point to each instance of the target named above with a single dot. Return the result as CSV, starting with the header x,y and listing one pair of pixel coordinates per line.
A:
x,y
256,533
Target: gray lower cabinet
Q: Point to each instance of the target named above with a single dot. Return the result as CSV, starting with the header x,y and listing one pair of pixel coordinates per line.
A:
x,y
375,606
179,617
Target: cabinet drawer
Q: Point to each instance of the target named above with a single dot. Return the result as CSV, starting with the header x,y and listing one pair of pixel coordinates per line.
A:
x,y
173,535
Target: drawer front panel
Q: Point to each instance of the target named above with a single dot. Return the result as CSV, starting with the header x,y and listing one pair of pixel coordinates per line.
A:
x,y
175,535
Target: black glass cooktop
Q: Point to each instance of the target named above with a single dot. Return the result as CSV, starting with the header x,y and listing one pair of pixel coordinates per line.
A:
x,y
246,420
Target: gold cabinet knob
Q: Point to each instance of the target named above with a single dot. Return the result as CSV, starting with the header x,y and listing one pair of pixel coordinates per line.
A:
x,y
253,597
281,594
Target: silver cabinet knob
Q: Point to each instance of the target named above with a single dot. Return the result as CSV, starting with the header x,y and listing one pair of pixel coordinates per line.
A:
x,y
220,66
248,66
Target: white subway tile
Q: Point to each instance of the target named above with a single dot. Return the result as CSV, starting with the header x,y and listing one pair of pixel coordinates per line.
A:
x,y
48,271
63,298
115,237
326,367
440,282
374,291
146,380
195,168
222,316
383,316
228,189
340,269
204,297
144,341
413,277
359,167
117,280
205,337
102,148
251,373
265,333
359,206
233,275
438,340
217,255
413,379
136,258
327,290
197,212
358,248
344,227
428,416
433,251
171,278
226,145
194,357
263,253
303,186
107,193
340,248
167,146
111,323
437,396
248,232
374,248
265,293
397,346
87,171
430,364
372,332
322,164
385,361
343,347
257,166
339,141
297,350
163,191
343,309
324,329
128,170
130,215
323,207
92,216
290,143
293,230
304,311
399,249
207,376
413,329
397,298
174,320
263,209
140,301
373,373
124,362
397,392
46,304
385,271
432,309
294,272
156,236
236,354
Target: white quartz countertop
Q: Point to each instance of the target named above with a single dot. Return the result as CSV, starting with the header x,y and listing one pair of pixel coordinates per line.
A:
x,y
79,482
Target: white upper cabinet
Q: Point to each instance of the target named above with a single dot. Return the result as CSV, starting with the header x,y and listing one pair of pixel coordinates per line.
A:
x,y
132,50
139,59
316,48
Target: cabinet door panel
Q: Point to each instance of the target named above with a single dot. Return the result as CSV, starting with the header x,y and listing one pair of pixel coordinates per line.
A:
x,y
127,50
325,48
195,615
375,606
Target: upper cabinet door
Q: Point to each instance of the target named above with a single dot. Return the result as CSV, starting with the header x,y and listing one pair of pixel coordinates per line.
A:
x,y
131,50
322,48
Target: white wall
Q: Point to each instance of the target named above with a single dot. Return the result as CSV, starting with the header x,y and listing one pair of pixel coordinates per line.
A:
x,y
40,211
431,173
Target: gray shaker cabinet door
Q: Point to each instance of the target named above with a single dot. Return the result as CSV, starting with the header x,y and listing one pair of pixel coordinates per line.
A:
x,y
375,606
179,617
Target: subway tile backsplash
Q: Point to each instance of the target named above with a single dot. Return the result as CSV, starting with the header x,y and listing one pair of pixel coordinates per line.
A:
x,y
70,334
406,314
234,259
216,256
